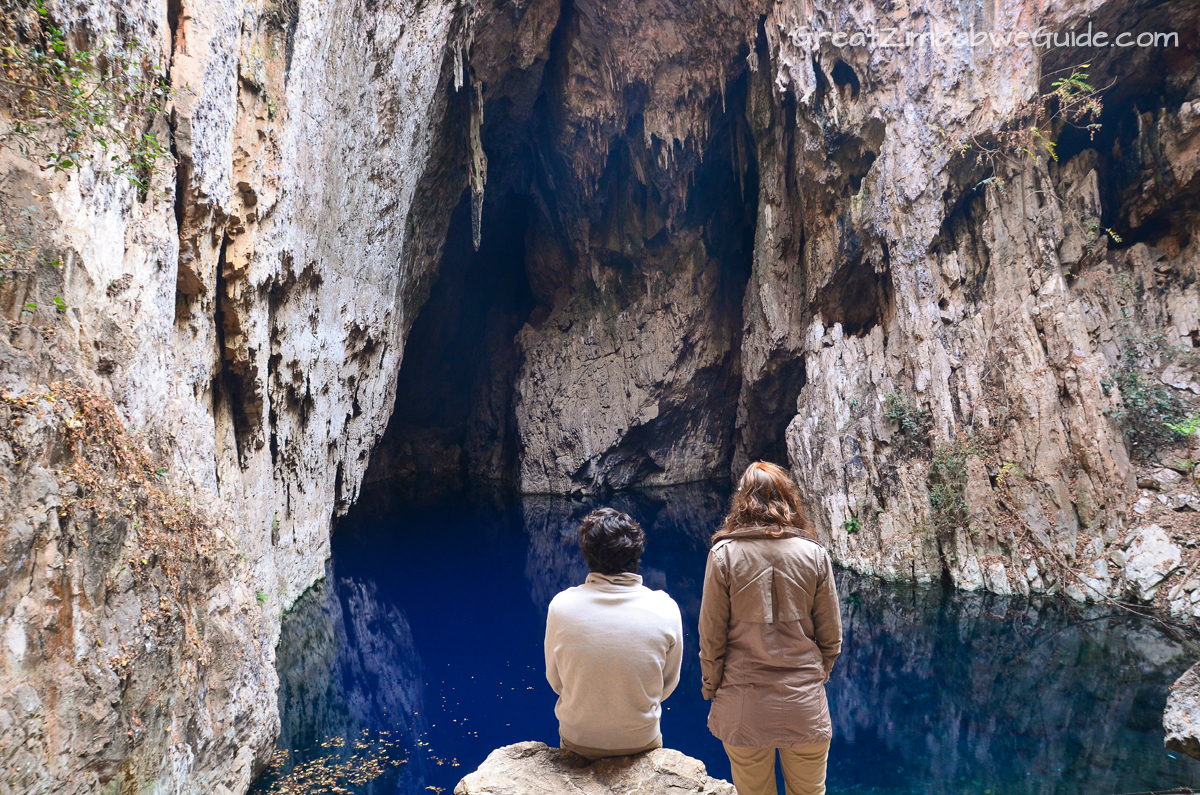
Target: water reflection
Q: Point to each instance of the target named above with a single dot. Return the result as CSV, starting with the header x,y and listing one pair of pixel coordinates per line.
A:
x,y
350,695
940,692
684,514
430,626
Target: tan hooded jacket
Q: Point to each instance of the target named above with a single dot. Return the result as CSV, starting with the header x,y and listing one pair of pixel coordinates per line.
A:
x,y
770,631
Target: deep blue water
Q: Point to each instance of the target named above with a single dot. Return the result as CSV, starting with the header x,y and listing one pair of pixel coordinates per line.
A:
x,y
429,626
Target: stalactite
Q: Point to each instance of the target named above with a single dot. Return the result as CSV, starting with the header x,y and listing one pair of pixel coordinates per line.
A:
x,y
478,163
740,163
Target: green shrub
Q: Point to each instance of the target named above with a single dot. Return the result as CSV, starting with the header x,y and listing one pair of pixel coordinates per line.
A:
x,y
912,420
948,484
1189,426
1150,413
1029,133
64,103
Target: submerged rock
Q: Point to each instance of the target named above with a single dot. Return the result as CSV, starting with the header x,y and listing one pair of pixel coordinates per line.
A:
x,y
535,767
1182,718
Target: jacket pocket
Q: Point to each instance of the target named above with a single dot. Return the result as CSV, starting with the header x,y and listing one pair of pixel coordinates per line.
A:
x,y
752,601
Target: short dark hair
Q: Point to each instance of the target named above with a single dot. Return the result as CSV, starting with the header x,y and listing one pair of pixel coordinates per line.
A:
x,y
611,541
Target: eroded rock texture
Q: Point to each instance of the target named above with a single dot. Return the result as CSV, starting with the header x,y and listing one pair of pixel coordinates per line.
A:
x,y
729,243
534,767
135,656
246,317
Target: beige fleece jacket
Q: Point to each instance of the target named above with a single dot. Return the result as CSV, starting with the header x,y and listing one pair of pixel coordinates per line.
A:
x,y
613,651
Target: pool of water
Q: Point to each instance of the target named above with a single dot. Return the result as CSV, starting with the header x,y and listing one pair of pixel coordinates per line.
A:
x,y
421,652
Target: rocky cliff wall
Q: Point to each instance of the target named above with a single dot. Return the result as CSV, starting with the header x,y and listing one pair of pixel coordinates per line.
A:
x,y
739,245
242,319
965,419
848,259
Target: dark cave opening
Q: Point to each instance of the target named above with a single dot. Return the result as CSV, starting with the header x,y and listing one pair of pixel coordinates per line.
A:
x,y
452,422
1120,167
845,78
769,408
1142,91
638,237
591,218
858,296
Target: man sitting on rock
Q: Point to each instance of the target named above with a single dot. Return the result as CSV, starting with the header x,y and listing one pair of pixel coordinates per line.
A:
x,y
613,646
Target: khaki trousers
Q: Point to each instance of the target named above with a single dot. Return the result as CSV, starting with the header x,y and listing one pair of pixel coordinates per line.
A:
x,y
803,769
592,754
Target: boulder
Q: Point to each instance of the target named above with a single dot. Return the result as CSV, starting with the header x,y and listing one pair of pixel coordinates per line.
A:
x,y
1161,479
1151,559
1178,376
995,579
535,767
1182,717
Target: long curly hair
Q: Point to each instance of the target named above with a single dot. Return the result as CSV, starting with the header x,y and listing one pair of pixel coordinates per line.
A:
x,y
766,497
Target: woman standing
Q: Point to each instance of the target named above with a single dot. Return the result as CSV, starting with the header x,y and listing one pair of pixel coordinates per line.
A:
x,y
770,632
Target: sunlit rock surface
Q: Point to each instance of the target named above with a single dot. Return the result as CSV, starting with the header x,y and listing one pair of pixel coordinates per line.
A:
x,y
533,767
737,245
1182,719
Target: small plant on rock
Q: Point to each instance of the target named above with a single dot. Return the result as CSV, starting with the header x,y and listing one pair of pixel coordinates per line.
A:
x,y
948,484
1008,469
1150,414
65,104
1095,233
1029,134
912,420
1188,427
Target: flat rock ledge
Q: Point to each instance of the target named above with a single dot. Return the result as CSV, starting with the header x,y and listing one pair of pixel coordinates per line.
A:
x,y
1182,718
533,768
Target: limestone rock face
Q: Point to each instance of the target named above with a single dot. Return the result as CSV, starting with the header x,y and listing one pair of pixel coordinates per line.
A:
x,y
295,282
533,767
136,655
1182,719
245,317
598,378
741,242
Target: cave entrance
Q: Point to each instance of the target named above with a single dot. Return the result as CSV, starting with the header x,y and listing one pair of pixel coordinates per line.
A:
x,y
649,242
452,422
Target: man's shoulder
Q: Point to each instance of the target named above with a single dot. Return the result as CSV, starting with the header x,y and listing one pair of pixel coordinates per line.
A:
x,y
567,595
662,601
